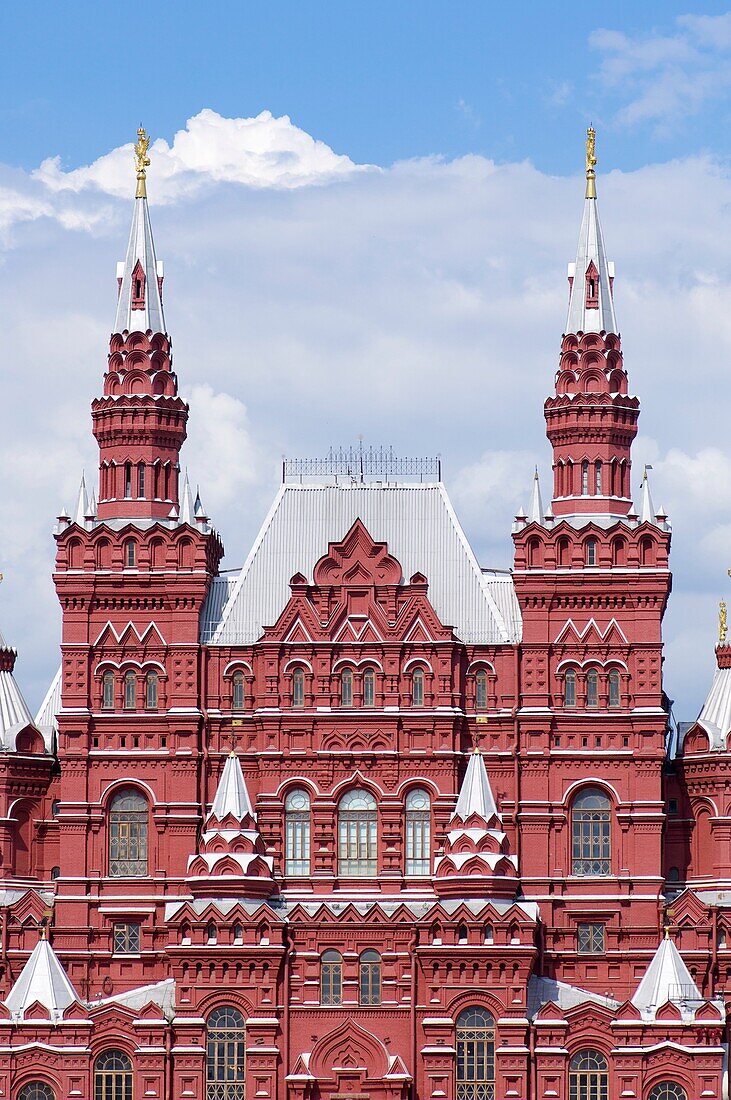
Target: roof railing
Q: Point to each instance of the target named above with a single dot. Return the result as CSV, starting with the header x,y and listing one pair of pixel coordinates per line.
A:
x,y
358,465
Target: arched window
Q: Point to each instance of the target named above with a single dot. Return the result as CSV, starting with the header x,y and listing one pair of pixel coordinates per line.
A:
x,y
298,688
369,978
346,687
674,874
237,683
588,1076
141,479
598,477
646,551
130,554
562,553
225,1052
128,479
128,819
534,553
130,690
108,690
369,688
619,551
418,833
475,1055
36,1090
614,688
357,835
331,978
584,478
591,834
113,1076
590,552
592,688
297,833
417,687
212,933
151,685
667,1090
481,690
569,688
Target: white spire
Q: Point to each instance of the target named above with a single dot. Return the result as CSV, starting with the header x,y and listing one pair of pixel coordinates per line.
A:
x,y
535,512
139,306
647,509
187,504
14,713
475,794
82,504
232,796
667,979
591,307
44,980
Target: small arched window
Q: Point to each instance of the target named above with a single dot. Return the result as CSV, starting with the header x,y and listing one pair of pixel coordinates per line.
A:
x,y
619,551
237,684
562,553
614,688
357,835
130,690
369,688
598,477
588,1076
585,478
130,554
331,978
418,833
674,874
346,687
212,933
225,1055
569,688
141,480
476,1055
534,552
297,833
592,688
128,820
646,551
151,686
298,688
369,978
417,687
481,689
36,1090
591,836
113,1076
128,480
667,1090
108,690
590,552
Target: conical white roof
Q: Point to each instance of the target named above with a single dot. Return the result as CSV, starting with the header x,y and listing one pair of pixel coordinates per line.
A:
x,y
187,504
475,794
141,248
14,713
647,508
667,979
535,512
591,250
42,979
232,796
82,504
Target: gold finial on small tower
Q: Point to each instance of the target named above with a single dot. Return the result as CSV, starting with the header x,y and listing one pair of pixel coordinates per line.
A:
x,y
142,162
591,163
722,623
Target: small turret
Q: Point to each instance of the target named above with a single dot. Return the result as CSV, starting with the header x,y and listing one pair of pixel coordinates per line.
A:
x,y
42,981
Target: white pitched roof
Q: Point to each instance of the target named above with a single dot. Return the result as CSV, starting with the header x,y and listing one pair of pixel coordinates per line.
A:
x,y
715,715
232,796
535,512
14,713
42,979
591,248
475,794
422,532
45,719
141,247
667,979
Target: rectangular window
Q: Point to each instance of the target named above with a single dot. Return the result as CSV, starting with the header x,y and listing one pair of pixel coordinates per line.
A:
x,y
418,842
591,939
140,480
331,983
126,939
358,846
297,858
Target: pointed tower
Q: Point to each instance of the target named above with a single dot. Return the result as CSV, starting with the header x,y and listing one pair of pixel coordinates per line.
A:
x,y
667,979
42,981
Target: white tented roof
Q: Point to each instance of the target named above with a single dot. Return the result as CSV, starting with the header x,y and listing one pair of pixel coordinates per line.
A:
x,y
232,796
715,715
46,720
422,532
475,793
44,980
667,978
591,249
141,248
14,713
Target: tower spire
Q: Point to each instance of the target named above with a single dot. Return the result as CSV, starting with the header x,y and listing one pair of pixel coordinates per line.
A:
x,y
591,276
591,163
140,275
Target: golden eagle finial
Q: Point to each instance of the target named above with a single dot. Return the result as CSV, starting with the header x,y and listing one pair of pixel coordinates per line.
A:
x,y
722,623
141,162
591,163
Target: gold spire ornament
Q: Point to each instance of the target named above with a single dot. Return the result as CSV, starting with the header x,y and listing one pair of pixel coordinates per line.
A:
x,y
142,162
591,163
722,623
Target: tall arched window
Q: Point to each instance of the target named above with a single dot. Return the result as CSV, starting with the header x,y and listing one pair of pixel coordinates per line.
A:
x,y
357,835
113,1076
128,479
141,479
225,1054
237,685
418,833
331,978
369,688
297,833
369,978
598,477
130,554
667,1090
619,551
36,1090
562,553
614,688
108,690
592,688
588,1076
417,687
130,690
584,478
569,688
346,687
591,834
151,685
128,821
475,1055
590,552
298,688
481,690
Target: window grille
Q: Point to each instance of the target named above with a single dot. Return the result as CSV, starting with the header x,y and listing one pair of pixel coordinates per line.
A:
x,y
585,478
598,478
592,688
346,687
130,554
238,691
113,1076
369,978
369,688
225,1054
151,682
141,480
298,688
297,833
357,835
108,691
418,833
481,690
591,939
590,551
331,978
614,688
130,691
128,819
36,1090
126,939
591,834
475,1055
667,1090
588,1076
128,480
417,687
569,699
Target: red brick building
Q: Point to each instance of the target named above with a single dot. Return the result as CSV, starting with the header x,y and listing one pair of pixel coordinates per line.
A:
x,y
363,821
